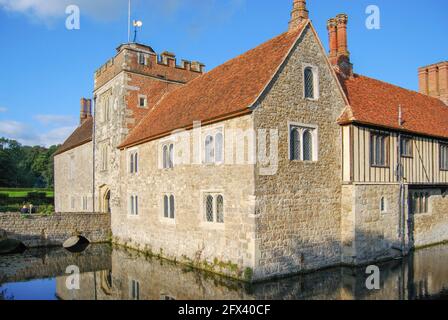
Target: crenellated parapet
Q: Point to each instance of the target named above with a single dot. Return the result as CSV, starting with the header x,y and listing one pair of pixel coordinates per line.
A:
x,y
142,59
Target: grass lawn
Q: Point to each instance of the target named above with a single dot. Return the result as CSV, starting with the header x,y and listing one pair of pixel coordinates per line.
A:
x,y
20,193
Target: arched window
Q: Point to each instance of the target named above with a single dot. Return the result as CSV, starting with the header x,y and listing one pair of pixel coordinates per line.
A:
x,y
295,144
131,164
307,146
219,147
165,207
209,150
220,209
172,207
165,157
171,156
309,83
209,208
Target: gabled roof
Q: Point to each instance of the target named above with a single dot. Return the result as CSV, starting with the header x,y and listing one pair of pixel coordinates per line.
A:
x,y
226,91
82,135
373,102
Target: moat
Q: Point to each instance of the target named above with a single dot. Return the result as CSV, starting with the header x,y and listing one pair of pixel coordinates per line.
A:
x,y
108,273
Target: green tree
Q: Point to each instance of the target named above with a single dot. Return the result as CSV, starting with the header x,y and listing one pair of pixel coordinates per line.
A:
x,y
24,166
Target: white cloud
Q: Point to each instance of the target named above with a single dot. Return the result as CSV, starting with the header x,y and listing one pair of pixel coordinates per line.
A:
x,y
29,135
2,109
49,9
55,120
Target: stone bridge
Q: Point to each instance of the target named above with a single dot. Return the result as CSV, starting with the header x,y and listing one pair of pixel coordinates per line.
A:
x,y
45,231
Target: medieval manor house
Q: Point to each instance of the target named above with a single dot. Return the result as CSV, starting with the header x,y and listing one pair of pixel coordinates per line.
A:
x,y
356,169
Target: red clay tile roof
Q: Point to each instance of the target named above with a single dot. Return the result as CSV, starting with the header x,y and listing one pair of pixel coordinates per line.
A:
x,y
226,91
373,102
82,135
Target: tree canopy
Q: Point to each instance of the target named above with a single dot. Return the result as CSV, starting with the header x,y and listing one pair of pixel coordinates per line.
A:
x,y
25,166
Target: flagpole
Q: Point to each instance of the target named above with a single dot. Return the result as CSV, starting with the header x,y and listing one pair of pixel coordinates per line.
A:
x,y
129,21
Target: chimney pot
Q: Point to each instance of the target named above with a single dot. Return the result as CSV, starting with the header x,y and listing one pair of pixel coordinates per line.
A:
x,y
299,13
423,80
86,110
333,40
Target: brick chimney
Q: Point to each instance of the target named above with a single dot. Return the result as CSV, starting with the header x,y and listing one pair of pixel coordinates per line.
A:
x,y
339,55
86,110
333,40
433,81
299,13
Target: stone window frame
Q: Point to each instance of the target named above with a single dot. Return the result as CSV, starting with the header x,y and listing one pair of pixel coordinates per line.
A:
x,y
168,142
133,158
425,197
133,205
207,224
303,127
145,105
85,203
134,289
72,167
142,59
162,218
106,107
384,205
316,80
213,132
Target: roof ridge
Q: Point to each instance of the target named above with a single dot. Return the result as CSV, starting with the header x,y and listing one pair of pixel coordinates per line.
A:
x,y
198,98
400,87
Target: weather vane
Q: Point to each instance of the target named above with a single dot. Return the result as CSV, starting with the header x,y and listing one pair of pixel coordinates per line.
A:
x,y
137,24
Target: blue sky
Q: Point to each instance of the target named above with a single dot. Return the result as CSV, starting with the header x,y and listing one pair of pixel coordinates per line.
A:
x,y
46,69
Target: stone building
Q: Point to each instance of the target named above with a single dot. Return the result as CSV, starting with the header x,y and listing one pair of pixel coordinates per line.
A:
x,y
279,161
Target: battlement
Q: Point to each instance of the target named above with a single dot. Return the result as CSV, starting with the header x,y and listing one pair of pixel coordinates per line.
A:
x,y
144,60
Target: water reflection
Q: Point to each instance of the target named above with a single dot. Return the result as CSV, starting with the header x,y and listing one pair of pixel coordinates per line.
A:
x,y
110,274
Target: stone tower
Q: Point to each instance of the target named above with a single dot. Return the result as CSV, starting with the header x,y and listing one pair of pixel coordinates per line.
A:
x,y
126,88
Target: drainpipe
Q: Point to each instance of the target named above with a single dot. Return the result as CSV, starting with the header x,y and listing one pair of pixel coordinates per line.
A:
x,y
94,154
401,204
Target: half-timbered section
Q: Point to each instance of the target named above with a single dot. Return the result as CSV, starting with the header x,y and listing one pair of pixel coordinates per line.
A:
x,y
373,155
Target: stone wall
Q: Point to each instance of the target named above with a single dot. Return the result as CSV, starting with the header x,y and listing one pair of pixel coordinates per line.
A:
x,y
432,227
367,233
298,227
40,231
226,248
73,179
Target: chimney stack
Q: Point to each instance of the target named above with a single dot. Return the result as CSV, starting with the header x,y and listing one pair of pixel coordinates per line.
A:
x,y
299,13
339,55
333,40
433,81
86,110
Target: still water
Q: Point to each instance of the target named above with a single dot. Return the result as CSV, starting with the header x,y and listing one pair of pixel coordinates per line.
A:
x,y
111,273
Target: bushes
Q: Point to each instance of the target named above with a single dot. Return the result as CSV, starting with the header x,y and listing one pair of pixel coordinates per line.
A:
x,y
38,199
